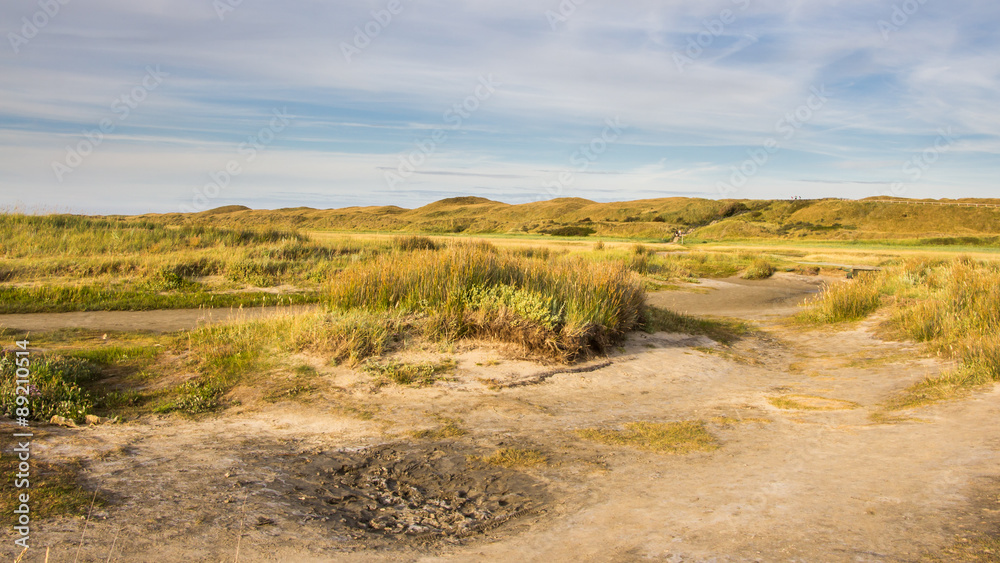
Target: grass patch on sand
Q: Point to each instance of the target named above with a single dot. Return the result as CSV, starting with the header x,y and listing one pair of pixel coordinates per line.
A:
x,y
811,403
980,548
668,437
226,355
449,428
732,420
418,374
513,457
55,487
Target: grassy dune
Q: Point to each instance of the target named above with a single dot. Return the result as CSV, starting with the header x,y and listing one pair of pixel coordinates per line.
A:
x,y
652,219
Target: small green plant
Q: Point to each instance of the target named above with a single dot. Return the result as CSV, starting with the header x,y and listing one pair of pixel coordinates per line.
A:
x,y
55,387
528,305
112,355
291,392
450,428
417,374
257,273
642,250
170,279
193,397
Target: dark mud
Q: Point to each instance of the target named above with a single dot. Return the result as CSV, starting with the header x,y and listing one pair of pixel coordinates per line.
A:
x,y
405,493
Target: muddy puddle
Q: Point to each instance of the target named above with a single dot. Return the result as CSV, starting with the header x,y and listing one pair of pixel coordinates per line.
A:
x,y
396,493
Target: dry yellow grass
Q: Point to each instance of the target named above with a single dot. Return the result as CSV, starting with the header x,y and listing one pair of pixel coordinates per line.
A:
x,y
811,403
668,437
514,457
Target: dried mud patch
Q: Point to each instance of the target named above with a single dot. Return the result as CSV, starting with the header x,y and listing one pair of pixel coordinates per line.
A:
x,y
404,493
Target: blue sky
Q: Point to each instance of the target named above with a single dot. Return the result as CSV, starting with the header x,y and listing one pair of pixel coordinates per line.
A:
x,y
512,100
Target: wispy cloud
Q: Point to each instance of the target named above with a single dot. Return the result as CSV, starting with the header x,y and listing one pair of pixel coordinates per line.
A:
x,y
888,97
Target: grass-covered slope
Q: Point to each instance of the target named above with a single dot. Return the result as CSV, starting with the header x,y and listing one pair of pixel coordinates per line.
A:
x,y
931,222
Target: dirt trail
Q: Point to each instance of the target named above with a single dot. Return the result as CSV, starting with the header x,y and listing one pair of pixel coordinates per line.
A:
x,y
782,295
785,485
163,320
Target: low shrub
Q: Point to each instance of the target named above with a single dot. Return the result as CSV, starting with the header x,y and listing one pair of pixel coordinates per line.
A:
x,y
54,387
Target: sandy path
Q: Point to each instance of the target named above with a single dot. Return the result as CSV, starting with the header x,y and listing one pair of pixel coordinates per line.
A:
x,y
164,320
781,295
807,486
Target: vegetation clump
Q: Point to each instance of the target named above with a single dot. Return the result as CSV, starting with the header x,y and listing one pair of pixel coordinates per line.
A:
x,y
55,387
411,243
558,306
668,437
514,457
402,373
570,231
759,269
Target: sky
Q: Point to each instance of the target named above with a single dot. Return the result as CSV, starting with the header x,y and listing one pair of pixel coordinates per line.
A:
x,y
115,106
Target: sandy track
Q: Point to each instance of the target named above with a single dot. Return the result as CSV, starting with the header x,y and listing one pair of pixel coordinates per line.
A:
x,y
164,320
782,295
807,486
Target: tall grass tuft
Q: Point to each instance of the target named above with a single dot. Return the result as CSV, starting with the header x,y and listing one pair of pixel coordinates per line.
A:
x,y
559,306
411,243
849,301
759,269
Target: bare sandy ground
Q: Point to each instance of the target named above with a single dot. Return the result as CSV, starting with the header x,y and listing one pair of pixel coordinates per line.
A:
x,y
267,483
782,295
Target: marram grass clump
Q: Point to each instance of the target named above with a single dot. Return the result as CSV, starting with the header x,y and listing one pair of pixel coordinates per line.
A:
x,y
759,269
557,306
851,300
